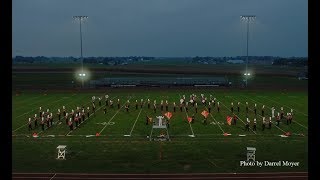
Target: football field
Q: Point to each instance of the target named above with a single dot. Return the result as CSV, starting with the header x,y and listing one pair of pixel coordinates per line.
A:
x,y
117,141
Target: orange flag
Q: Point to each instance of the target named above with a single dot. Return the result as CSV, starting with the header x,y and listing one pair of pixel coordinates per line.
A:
x,y
229,119
168,115
189,119
205,113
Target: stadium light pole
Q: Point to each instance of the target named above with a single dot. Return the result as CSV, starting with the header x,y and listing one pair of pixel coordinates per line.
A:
x,y
248,19
80,19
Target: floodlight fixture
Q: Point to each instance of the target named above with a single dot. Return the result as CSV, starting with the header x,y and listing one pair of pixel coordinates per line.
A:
x,y
80,19
247,19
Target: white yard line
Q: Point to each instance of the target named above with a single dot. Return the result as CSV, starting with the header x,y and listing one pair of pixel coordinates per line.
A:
x,y
29,99
113,117
33,110
261,116
62,117
135,122
87,118
237,116
215,121
137,117
270,107
269,99
188,121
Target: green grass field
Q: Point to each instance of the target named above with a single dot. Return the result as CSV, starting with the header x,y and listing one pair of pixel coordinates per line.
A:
x,y
112,152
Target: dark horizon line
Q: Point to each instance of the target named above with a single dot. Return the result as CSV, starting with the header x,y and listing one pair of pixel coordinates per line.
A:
x,y
161,56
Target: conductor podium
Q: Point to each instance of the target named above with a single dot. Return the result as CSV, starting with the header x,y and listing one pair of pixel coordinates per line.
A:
x,y
61,152
160,124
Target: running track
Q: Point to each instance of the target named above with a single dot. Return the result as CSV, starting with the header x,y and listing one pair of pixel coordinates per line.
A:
x,y
82,176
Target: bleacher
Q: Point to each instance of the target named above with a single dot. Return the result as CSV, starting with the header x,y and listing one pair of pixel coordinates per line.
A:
x,y
159,81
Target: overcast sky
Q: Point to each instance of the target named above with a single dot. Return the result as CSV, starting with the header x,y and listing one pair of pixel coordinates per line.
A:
x,y
163,28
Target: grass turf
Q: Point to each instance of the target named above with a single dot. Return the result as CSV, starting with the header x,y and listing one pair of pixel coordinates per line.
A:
x,y
112,152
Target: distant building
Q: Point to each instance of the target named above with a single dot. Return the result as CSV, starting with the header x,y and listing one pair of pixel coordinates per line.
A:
x,y
235,61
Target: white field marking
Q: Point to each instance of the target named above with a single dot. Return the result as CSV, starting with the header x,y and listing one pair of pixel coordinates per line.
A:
x,y
105,123
53,176
238,117
26,100
212,162
135,122
270,107
87,118
293,102
139,135
244,105
136,119
269,99
45,100
261,116
83,121
35,108
33,120
188,121
63,117
215,121
113,117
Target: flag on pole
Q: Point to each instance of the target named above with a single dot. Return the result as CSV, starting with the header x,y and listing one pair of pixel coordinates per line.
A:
x,y
205,113
168,115
229,119
189,119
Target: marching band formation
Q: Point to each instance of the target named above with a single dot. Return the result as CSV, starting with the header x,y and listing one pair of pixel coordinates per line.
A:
x,y
75,117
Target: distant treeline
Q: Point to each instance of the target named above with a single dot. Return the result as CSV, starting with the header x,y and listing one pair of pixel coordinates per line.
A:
x,y
91,60
292,61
